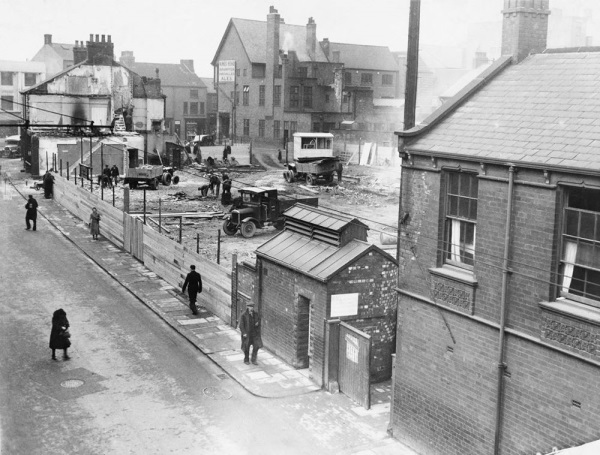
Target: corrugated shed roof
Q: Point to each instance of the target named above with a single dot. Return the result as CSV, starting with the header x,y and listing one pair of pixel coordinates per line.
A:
x,y
359,56
253,35
311,257
542,111
171,74
320,217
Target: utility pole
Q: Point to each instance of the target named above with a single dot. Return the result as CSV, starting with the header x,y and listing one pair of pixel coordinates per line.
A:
x,y
412,65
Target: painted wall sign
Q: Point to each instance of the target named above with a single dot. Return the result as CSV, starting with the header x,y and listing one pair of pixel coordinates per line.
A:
x,y
351,348
344,305
226,70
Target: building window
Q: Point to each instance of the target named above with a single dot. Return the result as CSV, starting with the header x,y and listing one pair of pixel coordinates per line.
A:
x,y
294,96
6,78
308,97
246,127
246,97
366,79
201,108
245,72
348,78
580,257
7,102
237,72
194,108
261,95
293,128
276,129
303,71
279,72
237,97
30,79
461,219
261,128
258,70
277,95
185,108
387,79
194,94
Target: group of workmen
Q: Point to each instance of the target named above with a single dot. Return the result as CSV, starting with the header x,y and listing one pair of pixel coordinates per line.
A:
x,y
110,176
214,185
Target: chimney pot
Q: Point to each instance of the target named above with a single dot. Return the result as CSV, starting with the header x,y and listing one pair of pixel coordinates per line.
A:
x,y
91,38
104,38
47,39
109,38
97,38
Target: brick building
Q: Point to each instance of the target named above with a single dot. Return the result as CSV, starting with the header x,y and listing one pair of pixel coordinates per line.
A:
x,y
498,342
186,94
318,269
274,79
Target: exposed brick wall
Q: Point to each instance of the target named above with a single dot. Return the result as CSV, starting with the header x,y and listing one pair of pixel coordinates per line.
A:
x,y
445,399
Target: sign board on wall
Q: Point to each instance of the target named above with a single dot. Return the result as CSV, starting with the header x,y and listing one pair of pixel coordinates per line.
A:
x,y
226,70
344,305
352,348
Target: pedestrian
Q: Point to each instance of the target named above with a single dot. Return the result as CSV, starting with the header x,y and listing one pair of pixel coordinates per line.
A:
x,y
204,189
106,177
226,196
59,336
193,282
250,328
94,223
114,173
48,183
31,213
215,183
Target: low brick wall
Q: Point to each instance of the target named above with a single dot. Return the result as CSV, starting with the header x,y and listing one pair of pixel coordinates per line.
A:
x,y
165,257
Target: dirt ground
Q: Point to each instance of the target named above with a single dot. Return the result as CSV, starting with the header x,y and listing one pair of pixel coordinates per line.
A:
x,y
368,193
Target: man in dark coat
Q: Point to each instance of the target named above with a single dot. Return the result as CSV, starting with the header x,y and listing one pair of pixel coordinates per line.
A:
x,y
106,177
114,173
215,184
31,214
59,335
193,282
48,182
250,328
226,196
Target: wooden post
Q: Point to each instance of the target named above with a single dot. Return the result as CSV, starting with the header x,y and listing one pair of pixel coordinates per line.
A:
x,y
197,243
180,227
75,173
126,200
68,171
159,215
219,246
61,167
113,190
101,170
144,205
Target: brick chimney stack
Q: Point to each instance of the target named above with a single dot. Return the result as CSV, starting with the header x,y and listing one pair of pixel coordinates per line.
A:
x,y
524,27
47,39
325,46
273,43
127,58
311,38
79,52
100,52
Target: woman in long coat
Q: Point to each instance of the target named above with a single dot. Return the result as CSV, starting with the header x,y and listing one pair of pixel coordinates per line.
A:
x,y
59,338
95,223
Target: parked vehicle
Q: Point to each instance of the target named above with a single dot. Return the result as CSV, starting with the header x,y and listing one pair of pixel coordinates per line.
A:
x,y
12,147
314,159
260,207
204,140
150,175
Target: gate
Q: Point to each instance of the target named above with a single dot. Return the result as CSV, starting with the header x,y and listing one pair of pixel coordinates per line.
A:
x,y
354,364
133,236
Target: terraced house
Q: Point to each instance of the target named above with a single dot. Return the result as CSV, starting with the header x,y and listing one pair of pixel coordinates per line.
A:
x,y
498,344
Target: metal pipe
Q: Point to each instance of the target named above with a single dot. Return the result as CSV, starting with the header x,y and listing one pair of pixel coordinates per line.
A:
x,y
61,167
113,191
102,170
144,205
197,243
68,170
219,246
503,310
180,227
159,215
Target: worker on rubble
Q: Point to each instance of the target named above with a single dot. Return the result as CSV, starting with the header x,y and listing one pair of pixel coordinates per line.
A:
x,y
215,183
226,196
204,189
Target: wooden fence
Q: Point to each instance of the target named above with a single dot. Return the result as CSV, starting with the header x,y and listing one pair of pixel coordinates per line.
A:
x,y
165,257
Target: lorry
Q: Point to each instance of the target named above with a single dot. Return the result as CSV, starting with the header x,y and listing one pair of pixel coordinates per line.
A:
x,y
257,207
314,159
150,175
12,148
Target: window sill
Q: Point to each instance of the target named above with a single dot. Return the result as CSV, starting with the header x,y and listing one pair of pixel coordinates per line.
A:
x,y
455,273
573,310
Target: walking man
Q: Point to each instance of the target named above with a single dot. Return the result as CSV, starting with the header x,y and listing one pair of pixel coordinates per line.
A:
x,y
193,282
114,173
250,328
31,214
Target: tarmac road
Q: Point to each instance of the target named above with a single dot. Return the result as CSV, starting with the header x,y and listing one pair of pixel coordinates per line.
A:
x,y
132,384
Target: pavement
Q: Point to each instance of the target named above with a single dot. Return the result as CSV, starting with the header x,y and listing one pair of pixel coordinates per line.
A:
x,y
271,378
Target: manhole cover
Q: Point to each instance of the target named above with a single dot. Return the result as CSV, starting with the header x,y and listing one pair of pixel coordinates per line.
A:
x,y
71,383
217,393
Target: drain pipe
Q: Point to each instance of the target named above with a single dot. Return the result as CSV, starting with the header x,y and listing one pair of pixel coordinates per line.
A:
x,y
503,310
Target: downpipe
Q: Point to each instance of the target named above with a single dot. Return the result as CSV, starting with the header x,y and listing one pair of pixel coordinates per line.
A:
x,y
503,310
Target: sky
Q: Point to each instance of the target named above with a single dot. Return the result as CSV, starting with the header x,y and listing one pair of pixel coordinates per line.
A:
x,y
168,31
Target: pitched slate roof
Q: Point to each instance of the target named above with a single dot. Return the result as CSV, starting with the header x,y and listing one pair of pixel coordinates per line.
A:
x,y
65,51
320,217
544,111
360,56
210,85
170,74
316,259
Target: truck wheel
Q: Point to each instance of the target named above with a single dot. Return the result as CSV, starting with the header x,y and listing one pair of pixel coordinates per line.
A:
x,y
310,179
153,184
175,179
132,185
288,176
166,179
248,229
229,228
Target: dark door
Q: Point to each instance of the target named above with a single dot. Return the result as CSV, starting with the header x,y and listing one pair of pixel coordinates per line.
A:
x,y
133,157
304,351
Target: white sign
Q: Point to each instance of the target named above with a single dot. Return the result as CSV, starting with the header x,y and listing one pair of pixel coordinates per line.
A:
x,y
344,305
226,70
